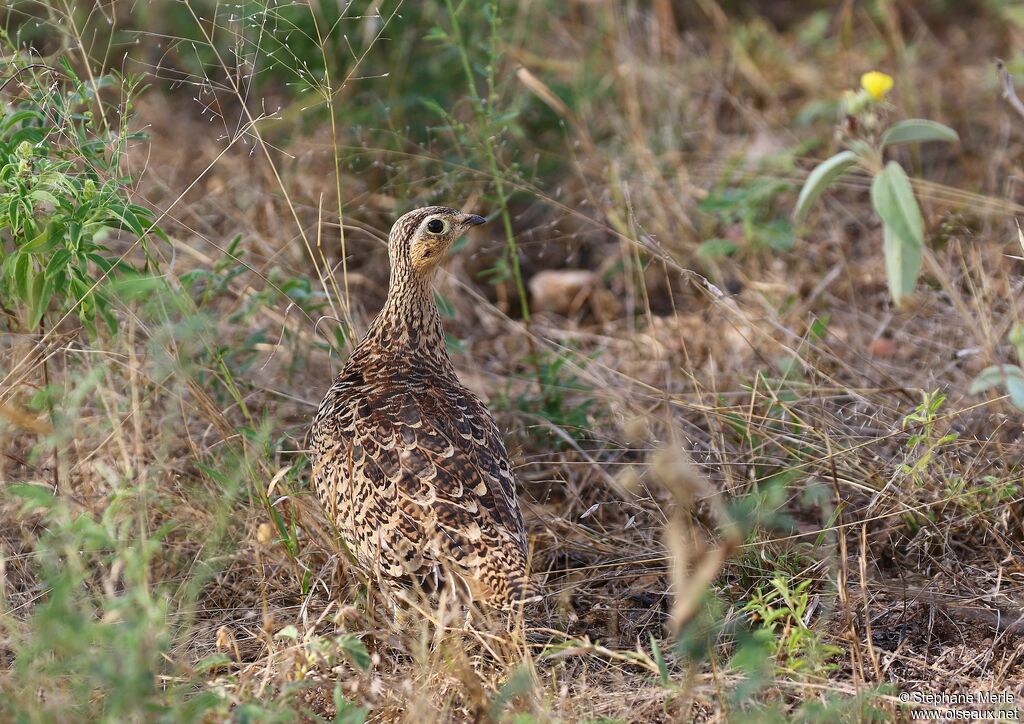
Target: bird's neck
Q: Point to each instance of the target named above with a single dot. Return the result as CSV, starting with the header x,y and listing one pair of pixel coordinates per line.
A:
x,y
407,332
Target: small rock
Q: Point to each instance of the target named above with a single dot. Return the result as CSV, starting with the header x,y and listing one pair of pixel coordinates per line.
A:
x,y
265,534
882,347
563,291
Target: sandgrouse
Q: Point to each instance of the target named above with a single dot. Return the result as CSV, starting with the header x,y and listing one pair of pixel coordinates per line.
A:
x,y
407,462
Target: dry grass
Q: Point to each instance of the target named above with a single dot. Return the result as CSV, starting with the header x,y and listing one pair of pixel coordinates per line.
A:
x,y
718,425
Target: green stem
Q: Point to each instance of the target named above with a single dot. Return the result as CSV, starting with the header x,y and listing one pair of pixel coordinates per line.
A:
x,y
492,162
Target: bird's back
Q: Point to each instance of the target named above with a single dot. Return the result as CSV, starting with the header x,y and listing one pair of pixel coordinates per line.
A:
x,y
411,468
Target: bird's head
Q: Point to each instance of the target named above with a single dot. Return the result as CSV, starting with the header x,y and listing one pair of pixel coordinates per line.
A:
x,y
420,239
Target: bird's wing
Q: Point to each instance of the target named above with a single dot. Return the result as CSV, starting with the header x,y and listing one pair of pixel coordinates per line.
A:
x,y
444,484
475,424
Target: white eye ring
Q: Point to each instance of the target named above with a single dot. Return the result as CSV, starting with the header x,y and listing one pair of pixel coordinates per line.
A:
x,y
437,226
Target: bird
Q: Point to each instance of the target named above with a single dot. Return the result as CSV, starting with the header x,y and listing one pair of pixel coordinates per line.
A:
x,y
407,462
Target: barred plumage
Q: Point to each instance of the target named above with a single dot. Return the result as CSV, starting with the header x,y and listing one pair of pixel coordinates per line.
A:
x,y
407,462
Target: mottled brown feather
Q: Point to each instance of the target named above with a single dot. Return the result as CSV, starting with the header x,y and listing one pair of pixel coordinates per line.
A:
x,y
407,462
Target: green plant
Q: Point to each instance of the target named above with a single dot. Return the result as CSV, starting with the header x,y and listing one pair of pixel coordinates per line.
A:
x,y
103,628
866,138
119,575
749,205
783,608
64,199
925,441
555,395
1009,377
491,125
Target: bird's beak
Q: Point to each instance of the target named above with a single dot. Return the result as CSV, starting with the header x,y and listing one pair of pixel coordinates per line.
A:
x,y
473,220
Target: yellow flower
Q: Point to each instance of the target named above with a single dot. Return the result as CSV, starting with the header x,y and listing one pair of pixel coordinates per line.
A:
x,y
876,84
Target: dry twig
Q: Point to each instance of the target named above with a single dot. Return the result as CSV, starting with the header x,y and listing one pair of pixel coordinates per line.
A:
x,y
1009,94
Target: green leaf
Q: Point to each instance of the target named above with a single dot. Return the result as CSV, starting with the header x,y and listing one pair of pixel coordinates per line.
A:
x,y
193,709
823,176
33,496
213,661
14,119
288,632
1015,386
45,241
436,107
22,276
717,248
893,199
38,299
291,543
519,683
13,218
993,377
345,712
902,264
43,300
74,235
102,262
777,235
126,218
44,197
57,262
819,328
103,308
133,287
34,135
659,659
355,649
918,130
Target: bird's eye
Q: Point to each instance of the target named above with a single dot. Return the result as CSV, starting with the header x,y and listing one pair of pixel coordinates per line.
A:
x,y
436,226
